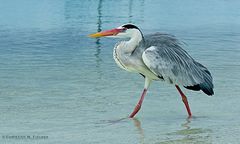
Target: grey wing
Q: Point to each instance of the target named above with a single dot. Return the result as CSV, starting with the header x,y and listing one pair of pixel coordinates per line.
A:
x,y
174,65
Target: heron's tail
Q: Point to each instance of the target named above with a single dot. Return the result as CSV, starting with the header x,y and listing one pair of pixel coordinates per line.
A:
x,y
206,88
207,85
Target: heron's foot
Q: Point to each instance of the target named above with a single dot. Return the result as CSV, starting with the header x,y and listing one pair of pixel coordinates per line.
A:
x,y
189,116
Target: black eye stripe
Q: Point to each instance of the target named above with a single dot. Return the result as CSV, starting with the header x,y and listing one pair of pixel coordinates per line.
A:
x,y
130,26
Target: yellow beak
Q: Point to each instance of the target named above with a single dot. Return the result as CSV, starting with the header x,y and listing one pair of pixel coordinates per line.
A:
x,y
111,32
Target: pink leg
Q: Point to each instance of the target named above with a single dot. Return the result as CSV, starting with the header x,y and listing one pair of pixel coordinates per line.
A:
x,y
139,104
185,101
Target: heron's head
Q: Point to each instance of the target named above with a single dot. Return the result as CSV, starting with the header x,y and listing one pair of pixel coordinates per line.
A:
x,y
124,31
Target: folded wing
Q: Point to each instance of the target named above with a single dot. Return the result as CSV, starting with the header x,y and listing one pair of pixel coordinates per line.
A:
x,y
169,61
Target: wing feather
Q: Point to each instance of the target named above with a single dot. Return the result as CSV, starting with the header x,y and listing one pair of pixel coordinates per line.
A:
x,y
168,64
168,60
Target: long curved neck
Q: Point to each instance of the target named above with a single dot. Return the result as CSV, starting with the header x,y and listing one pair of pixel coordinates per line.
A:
x,y
133,42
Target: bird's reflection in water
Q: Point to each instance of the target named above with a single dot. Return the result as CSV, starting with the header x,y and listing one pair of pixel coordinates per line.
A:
x,y
140,130
188,135
187,123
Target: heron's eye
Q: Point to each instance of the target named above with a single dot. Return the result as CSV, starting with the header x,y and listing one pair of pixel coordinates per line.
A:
x,y
123,29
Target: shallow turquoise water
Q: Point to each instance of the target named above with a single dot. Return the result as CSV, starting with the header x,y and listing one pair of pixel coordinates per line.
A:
x,y
57,82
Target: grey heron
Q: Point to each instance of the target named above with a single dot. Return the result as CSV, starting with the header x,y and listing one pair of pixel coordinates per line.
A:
x,y
158,57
